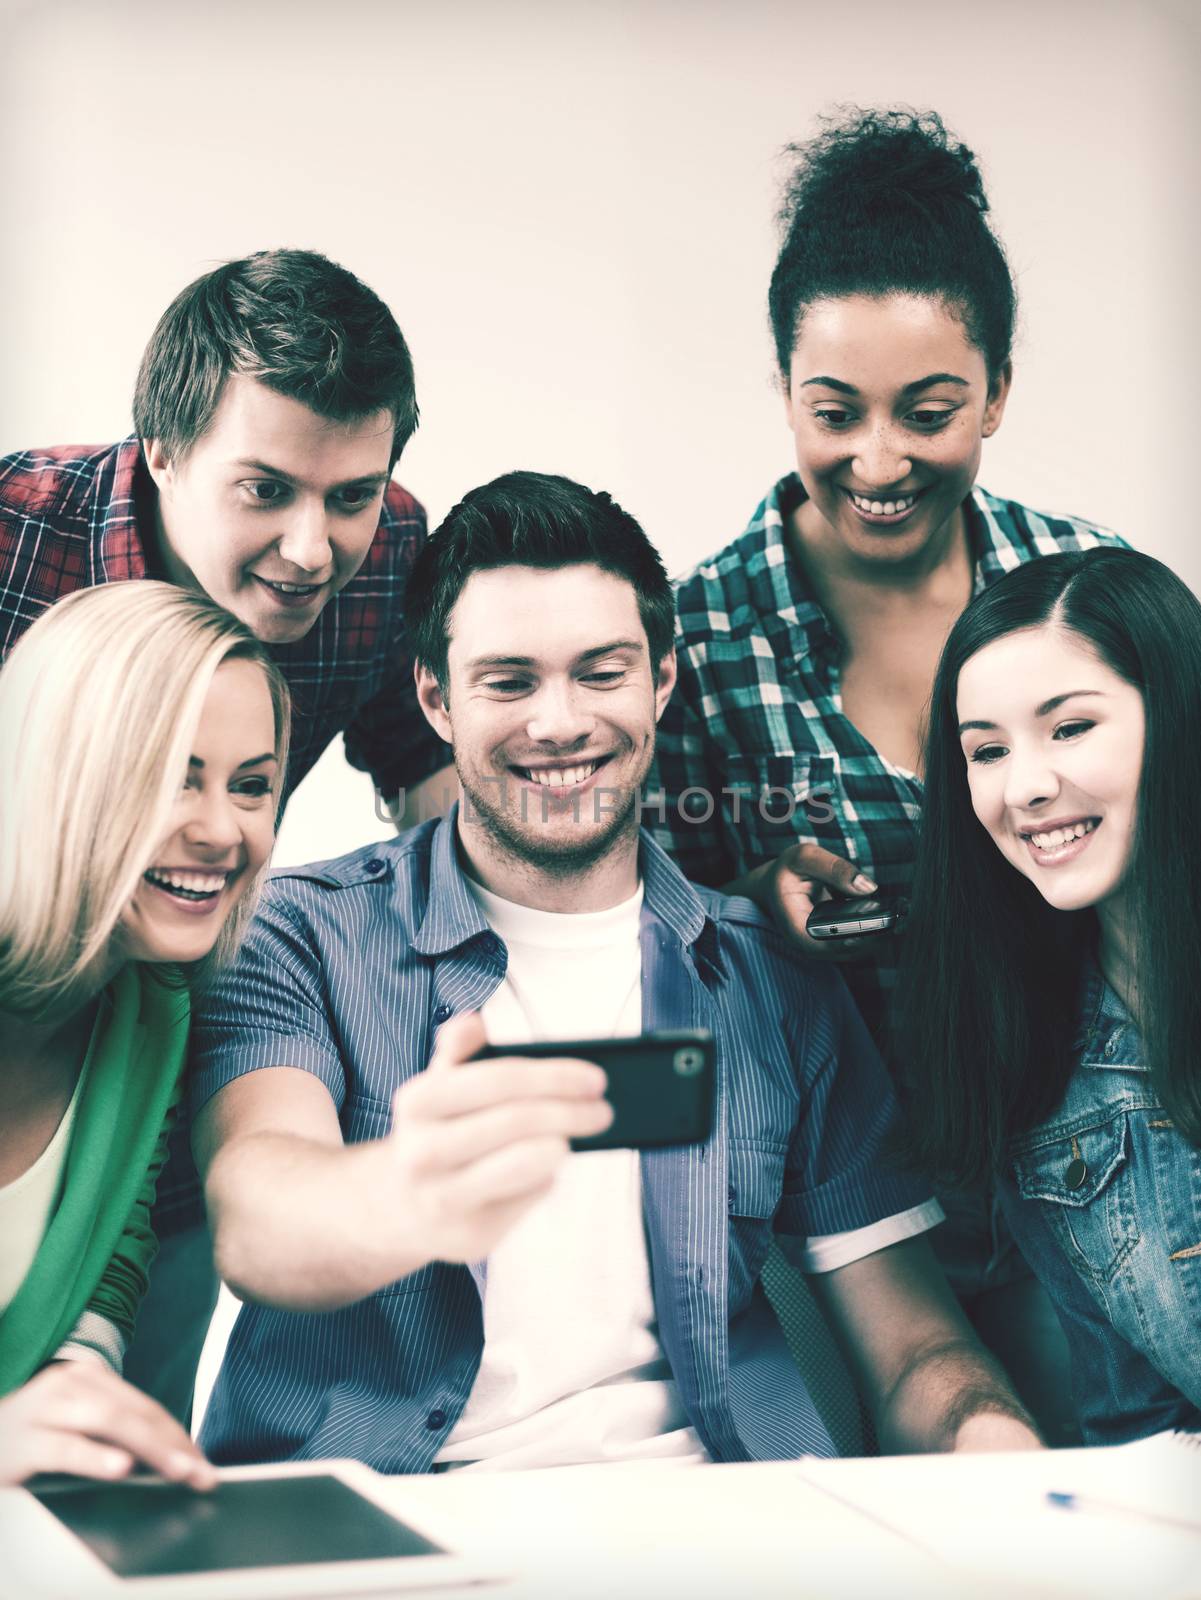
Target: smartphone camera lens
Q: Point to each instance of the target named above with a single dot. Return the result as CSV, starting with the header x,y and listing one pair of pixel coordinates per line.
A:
x,y
688,1062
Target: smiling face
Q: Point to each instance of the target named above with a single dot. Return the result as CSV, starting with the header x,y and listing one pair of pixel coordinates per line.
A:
x,y
222,827
551,708
1053,740
273,509
888,403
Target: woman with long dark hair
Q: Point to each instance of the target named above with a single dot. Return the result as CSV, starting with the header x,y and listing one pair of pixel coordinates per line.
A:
x,y
1050,994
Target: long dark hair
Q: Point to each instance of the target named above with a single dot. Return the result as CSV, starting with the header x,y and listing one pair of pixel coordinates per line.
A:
x,y
990,980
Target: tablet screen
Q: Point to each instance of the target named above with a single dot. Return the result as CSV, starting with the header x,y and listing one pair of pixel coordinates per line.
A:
x,y
152,1529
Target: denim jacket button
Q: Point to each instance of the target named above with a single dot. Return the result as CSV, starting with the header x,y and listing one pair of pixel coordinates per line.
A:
x,y
1076,1174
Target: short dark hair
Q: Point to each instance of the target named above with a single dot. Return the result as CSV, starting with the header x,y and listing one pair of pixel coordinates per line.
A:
x,y
292,319
989,989
884,202
532,519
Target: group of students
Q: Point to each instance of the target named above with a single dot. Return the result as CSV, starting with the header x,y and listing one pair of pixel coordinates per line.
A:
x,y
892,680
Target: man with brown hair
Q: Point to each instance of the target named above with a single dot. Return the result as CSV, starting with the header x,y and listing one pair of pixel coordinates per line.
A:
x,y
430,1277
273,401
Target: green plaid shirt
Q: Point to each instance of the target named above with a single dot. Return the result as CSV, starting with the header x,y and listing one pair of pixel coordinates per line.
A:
x,y
755,752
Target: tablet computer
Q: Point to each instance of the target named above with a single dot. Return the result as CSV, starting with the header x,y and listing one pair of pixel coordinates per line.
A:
x,y
321,1528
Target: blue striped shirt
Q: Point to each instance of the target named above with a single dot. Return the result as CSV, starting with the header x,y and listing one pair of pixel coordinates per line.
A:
x,y
348,971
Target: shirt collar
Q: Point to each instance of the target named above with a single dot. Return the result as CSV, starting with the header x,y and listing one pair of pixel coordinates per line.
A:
x,y
118,543
1108,1035
673,901
777,584
453,915
991,553
780,589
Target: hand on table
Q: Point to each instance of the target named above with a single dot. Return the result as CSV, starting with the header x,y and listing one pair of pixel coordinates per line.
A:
x,y
994,1430
79,1417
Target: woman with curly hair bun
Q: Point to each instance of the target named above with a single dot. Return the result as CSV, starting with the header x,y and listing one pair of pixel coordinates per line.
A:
x,y
143,735
791,755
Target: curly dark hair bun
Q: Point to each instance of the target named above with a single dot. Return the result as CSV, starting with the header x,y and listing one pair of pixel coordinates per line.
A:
x,y
896,156
884,201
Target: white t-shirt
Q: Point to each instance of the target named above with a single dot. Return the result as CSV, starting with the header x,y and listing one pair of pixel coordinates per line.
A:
x,y
572,1368
28,1203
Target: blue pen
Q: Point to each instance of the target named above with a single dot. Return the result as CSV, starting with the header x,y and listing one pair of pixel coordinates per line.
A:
x,y
1088,1502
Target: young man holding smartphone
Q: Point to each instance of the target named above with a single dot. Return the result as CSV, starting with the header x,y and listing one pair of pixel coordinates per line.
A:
x,y
435,1278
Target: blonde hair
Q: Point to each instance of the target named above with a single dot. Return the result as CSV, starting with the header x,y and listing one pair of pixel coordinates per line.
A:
x,y
99,705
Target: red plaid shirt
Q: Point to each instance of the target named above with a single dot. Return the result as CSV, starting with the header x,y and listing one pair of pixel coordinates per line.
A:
x,y
69,519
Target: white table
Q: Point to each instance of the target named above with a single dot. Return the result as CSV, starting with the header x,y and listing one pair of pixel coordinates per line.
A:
x,y
913,1528
977,1526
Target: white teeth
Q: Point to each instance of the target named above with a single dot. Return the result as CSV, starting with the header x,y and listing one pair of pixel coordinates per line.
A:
x,y
1056,838
197,882
884,508
562,777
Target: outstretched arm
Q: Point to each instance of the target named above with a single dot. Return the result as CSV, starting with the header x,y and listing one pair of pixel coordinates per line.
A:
x,y
303,1221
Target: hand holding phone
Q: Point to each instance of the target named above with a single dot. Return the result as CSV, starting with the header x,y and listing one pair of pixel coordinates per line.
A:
x,y
660,1085
474,1144
850,919
798,883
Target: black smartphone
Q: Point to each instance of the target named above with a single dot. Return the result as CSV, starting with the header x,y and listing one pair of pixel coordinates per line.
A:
x,y
842,919
660,1085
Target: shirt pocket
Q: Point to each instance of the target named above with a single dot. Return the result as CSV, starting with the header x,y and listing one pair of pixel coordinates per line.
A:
x,y
1082,1179
770,799
755,1189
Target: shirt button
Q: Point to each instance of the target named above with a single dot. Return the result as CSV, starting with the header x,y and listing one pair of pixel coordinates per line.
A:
x,y
731,1195
435,1420
1076,1174
441,1013
374,865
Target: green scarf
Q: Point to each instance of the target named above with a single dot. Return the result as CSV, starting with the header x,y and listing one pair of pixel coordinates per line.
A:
x,y
137,1061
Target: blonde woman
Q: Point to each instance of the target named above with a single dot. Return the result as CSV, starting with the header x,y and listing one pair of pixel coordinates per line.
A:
x,y
143,738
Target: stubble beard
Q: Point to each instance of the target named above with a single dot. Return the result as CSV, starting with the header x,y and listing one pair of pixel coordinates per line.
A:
x,y
564,858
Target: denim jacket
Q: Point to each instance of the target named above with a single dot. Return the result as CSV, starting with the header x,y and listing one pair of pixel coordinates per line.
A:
x,y
1104,1200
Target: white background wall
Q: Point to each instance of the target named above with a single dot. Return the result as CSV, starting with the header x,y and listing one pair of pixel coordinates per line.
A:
x,y
569,203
